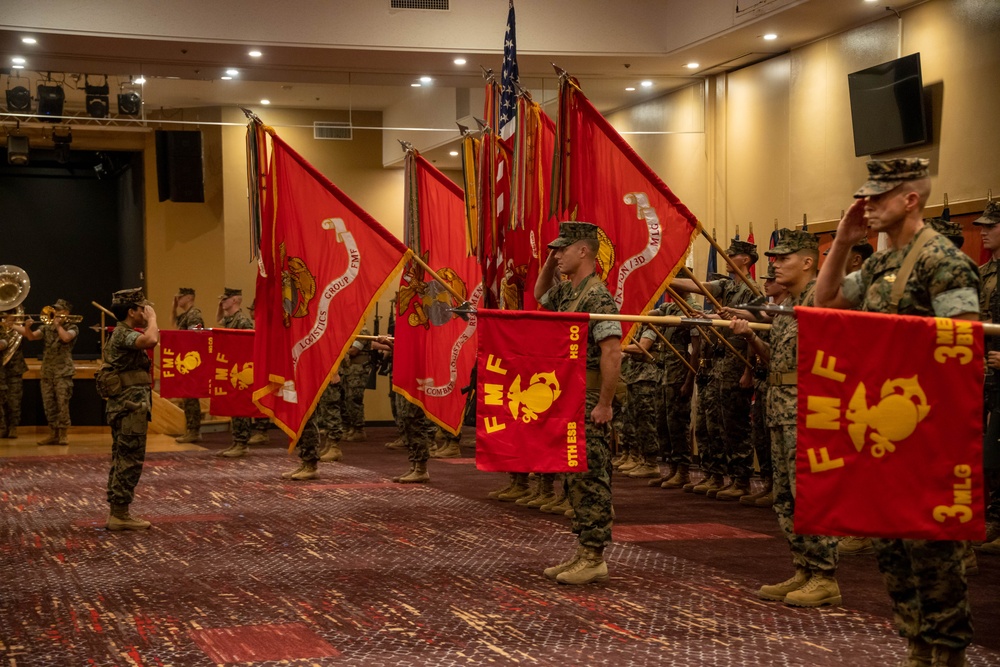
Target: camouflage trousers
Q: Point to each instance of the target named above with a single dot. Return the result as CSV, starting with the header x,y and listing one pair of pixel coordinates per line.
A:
x,y
991,457
815,553
241,427
710,452
927,586
355,382
329,411
730,413
645,402
192,414
128,452
418,431
589,493
56,392
674,424
10,407
760,434
308,445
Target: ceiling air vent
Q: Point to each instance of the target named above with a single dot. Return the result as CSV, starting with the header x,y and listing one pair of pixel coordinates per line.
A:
x,y
419,4
332,130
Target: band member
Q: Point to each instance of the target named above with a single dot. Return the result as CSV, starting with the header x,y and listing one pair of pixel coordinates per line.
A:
x,y
58,338
127,389
187,316
11,383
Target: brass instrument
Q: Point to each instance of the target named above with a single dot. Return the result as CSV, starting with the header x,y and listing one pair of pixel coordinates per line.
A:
x,y
14,286
48,316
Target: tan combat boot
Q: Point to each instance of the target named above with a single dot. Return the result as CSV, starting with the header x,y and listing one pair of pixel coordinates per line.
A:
x,y
517,489
737,489
560,506
588,568
409,470
777,592
751,498
855,546
189,436
948,657
556,570
647,468
818,591
449,450
258,438
239,449
671,471
398,443
64,436
546,492
53,438
332,452
680,479
619,459
712,482
918,654
418,475
533,490
308,471
630,463
714,490
355,435
492,495
120,519
288,475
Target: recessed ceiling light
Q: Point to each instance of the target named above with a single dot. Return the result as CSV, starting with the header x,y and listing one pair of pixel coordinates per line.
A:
x,y
415,85
425,79
141,80
630,88
17,61
692,65
255,54
647,84
17,66
871,0
453,153
770,36
226,78
265,101
29,40
459,61
232,72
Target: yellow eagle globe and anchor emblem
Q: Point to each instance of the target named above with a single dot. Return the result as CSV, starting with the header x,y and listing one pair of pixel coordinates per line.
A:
x,y
902,405
541,392
186,363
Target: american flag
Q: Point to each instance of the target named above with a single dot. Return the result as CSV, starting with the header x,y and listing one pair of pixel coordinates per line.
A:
x,y
508,98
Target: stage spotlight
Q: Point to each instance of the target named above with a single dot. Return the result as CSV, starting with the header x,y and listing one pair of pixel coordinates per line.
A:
x,y
18,99
97,98
50,100
61,141
129,100
17,149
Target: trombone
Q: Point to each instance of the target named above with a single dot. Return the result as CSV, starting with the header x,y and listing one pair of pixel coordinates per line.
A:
x,y
47,316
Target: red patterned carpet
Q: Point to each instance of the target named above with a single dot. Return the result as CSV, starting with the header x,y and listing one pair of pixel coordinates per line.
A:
x,y
242,567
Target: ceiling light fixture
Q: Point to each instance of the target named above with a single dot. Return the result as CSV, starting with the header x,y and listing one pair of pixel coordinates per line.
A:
x,y
415,85
226,78
97,98
630,88
453,153
647,84
50,99
18,98
265,102
141,80
129,100
459,61
770,37
255,54
18,147
17,66
17,60
232,72
29,40
692,65
425,79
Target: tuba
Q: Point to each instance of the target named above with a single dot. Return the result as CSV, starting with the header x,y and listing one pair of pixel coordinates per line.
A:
x,y
14,286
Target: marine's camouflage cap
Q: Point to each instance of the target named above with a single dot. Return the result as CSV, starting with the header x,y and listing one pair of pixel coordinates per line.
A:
x,y
793,240
571,232
713,276
884,175
185,291
770,271
990,217
942,226
742,248
130,297
229,292
62,304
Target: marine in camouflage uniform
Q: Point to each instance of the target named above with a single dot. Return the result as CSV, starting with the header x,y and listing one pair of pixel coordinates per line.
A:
x,y
925,579
814,557
356,369
236,319
320,437
128,412
589,492
674,419
189,319
57,370
12,379
645,402
418,436
711,457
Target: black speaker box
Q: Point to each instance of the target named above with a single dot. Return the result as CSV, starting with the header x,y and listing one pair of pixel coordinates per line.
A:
x,y
179,173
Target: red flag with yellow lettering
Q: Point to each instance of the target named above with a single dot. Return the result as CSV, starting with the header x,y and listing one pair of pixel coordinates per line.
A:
x,y
185,371
324,262
531,391
230,357
890,415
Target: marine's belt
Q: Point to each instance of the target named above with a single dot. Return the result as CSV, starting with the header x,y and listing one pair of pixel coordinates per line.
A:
x,y
776,379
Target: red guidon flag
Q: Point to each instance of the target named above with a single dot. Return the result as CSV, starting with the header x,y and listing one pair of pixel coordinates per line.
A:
x,y
185,371
889,426
531,391
645,230
230,354
324,262
435,349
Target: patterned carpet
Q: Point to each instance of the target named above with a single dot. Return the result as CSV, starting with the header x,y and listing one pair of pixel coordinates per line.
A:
x,y
243,567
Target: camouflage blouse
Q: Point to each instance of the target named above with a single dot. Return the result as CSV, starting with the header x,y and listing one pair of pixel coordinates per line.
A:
x,y
238,320
57,359
597,300
191,319
988,285
730,293
943,283
782,400
121,354
679,337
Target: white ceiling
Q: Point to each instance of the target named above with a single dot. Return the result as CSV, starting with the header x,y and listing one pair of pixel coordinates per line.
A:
x,y
344,58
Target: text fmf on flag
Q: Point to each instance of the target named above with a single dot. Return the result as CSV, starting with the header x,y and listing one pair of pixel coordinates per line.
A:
x,y
889,435
531,391
230,358
185,368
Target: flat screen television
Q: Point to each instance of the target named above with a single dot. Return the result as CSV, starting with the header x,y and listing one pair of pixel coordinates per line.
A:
x,y
887,106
